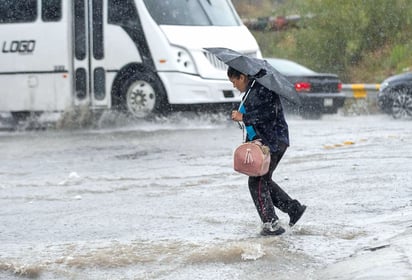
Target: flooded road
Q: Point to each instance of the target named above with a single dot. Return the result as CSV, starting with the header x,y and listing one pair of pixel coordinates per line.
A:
x,y
160,200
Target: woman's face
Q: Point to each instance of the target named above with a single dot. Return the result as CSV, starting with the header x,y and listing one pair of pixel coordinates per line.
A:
x,y
240,83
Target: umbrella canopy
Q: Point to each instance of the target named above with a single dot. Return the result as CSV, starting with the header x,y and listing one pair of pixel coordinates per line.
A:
x,y
260,70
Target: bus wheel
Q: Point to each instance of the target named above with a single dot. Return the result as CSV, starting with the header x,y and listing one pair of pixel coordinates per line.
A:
x,y
143,97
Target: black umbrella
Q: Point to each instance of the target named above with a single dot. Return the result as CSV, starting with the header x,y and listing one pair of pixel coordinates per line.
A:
x,y
258,69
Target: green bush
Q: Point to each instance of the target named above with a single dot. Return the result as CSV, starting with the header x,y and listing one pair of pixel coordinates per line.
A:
x,y
339,35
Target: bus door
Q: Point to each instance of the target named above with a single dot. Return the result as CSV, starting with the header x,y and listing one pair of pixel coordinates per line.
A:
x,y
89,72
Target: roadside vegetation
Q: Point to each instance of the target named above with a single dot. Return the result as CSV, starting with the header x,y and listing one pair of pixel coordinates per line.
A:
x,y
363,41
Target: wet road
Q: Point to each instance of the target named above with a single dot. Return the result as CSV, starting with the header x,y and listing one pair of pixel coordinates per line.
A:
x,y
159,200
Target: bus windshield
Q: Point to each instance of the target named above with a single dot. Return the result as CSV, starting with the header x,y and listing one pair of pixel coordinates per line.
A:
x,y
192,12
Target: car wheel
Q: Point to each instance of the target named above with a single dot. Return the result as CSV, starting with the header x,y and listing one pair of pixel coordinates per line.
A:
x,y
142,96
402,104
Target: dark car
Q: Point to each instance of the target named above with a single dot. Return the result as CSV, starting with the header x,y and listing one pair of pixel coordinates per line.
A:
x,y
395,96
320,93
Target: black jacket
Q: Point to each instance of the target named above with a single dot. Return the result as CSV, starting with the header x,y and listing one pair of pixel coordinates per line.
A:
x,y
264,112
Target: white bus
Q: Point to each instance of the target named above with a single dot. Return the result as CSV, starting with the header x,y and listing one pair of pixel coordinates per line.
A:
x,y
140,56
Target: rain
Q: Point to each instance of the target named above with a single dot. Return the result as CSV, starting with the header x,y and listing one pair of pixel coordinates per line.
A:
x,y
160,200
144,187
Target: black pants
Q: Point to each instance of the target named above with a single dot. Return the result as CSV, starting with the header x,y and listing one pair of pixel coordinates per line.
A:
x,y
266,193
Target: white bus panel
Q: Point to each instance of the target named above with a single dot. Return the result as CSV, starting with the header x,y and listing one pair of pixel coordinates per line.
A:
x,y
139,56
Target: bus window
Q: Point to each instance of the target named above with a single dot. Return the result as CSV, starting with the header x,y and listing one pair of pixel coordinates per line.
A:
x,y
192,12
122,12
79,30
81,86
17,11
219,12
99,83
98,51
51,10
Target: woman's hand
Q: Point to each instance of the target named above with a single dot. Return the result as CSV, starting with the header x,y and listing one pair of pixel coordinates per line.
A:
x,y
237,116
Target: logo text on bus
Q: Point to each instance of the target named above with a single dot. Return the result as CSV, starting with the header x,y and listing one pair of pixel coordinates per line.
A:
x,y
22,46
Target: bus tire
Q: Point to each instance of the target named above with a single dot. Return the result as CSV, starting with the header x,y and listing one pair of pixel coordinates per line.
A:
x,y
141,96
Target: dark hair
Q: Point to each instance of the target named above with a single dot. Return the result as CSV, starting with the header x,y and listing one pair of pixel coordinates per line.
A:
x,y
233,73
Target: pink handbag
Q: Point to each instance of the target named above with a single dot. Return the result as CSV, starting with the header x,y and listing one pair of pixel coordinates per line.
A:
x,y
252,158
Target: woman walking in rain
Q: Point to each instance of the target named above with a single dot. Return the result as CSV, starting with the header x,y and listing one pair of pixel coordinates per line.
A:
x,y
262,114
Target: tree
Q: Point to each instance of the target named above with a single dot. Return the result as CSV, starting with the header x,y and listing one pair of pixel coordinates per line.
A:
x,y
339,33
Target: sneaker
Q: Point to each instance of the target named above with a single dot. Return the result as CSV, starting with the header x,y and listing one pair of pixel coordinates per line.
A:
x,y
296,215
272,229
